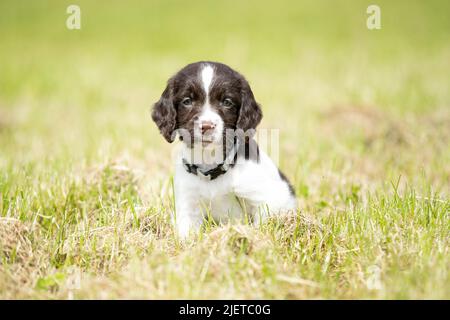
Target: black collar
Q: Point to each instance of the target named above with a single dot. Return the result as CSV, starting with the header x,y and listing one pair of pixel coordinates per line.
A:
x,y
209,174
216,171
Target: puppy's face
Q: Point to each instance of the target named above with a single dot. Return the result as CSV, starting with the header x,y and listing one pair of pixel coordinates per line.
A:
x,y
202,101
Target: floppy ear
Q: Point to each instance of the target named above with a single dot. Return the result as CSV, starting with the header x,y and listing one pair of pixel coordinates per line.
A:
x,y
165,115
250,113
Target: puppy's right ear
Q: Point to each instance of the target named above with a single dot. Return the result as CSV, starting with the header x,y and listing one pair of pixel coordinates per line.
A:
x,y
165,115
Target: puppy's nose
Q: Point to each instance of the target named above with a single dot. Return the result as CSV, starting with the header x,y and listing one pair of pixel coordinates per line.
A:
x,y
206,125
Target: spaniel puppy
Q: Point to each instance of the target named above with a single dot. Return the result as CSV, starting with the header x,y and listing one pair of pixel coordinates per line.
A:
x,y
220,171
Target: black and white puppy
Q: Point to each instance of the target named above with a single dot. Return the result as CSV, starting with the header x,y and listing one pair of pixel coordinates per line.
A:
x,y
220,170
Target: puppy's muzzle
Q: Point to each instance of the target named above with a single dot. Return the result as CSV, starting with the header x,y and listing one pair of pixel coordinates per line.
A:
x,y
207,127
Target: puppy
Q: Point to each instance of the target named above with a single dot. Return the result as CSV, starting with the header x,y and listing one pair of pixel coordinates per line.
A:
x,y
220,171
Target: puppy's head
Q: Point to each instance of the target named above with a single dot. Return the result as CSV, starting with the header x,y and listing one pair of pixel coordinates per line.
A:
x,y
202,101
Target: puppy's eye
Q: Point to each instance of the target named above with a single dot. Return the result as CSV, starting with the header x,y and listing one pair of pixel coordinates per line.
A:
x,y
227,102
187,101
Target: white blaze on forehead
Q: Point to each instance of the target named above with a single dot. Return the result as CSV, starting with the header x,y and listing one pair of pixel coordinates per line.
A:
x,y
207,75
208,114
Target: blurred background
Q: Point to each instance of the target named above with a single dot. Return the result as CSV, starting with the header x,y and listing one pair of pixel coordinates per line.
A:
x,y
371,103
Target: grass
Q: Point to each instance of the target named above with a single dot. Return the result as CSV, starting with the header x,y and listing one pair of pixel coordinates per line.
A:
x,y
85,178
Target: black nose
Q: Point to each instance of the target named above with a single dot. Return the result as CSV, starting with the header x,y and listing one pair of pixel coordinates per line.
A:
x,y
206,125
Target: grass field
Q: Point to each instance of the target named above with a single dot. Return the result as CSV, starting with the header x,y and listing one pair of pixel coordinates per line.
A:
x,y
85,177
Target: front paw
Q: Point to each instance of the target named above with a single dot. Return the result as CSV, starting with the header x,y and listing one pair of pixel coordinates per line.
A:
x,y
186,227
183,231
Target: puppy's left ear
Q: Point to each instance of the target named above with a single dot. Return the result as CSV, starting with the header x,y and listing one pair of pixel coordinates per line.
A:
x,y
250,113
164,114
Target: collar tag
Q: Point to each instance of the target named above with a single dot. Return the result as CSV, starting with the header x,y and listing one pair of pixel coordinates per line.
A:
x,y
204,176
217,171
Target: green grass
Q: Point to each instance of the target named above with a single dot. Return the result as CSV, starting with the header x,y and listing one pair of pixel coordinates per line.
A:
x,y
85,178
